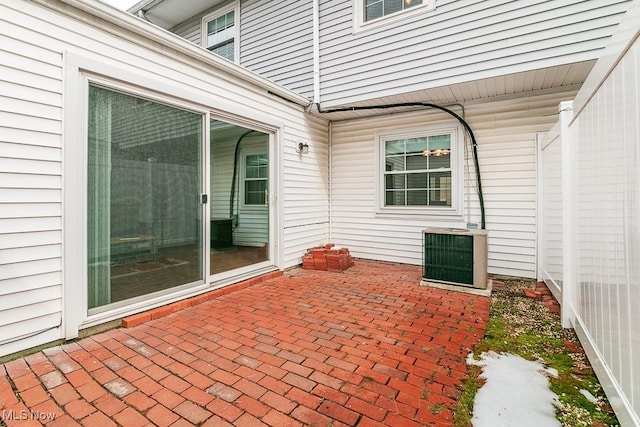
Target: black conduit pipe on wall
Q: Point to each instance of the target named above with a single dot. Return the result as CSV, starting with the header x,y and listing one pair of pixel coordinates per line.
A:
x,y
464,123
235,172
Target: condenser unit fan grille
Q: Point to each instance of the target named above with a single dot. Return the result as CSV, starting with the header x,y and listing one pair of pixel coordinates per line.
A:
x,y
455,256
448,258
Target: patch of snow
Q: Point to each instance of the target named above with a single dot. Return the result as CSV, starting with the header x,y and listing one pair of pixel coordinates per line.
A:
x,y
590,397
516,393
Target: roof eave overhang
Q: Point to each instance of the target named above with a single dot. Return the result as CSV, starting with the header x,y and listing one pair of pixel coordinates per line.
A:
x,y
463,93
170,13
164,38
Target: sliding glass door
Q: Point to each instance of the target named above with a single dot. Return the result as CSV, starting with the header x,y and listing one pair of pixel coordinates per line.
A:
x,y
148,208
145,178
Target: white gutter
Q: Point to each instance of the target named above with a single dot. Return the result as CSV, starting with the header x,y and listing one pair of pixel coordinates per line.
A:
x,y
316,51
165,39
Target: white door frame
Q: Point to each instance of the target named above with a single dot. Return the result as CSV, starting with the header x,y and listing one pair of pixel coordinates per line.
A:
x,y
79,71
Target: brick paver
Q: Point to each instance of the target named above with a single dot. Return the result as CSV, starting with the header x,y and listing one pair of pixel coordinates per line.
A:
x,y
362,347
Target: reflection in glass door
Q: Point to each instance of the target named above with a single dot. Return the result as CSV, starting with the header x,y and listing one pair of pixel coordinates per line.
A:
x,y
144,226
239,209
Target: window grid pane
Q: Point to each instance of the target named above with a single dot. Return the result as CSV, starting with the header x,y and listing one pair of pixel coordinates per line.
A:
x,y
226,50
418,171
221,35
255,193
374,9
392,6
256,174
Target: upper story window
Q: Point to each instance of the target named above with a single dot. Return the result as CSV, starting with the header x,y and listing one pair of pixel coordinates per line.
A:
x,y
421,170
220,32
374,9
370,13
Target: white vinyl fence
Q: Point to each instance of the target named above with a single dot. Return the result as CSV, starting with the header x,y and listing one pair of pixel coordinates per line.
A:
x,y
550,213
589,177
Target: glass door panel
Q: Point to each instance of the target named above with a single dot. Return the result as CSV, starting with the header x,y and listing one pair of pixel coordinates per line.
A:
x,y
144,223
239,209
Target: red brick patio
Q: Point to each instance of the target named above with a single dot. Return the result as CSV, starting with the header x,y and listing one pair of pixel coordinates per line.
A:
x,y
366,347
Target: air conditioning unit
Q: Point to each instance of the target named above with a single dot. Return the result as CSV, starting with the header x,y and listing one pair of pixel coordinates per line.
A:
x,y
454,256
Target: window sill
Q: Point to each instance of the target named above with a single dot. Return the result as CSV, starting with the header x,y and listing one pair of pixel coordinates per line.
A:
x,y
421,215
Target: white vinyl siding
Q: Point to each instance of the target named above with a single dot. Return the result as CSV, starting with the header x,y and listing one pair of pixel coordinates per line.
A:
x,y
221,177
34,41
276,41
30,192
252,226
506,133
458,41
190,30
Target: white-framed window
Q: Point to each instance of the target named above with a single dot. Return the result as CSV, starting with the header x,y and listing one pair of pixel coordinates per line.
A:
x,y
220,31
420,171
369,13
256,179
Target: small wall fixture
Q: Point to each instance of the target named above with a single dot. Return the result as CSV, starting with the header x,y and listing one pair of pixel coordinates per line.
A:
x,y
302,148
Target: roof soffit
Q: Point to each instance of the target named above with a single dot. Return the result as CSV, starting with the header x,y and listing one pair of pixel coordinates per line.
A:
x,y
169,13
565,78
